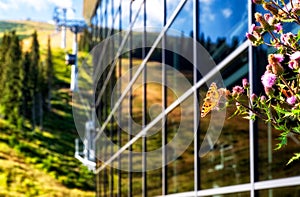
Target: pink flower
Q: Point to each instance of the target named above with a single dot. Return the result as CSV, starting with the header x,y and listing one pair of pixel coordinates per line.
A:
x,y
287,38
279,57
291,100
277,27
295,56
293,64
267,16
237,90
268,79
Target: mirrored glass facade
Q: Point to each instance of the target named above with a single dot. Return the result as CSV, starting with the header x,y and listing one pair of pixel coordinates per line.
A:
x,y
154,65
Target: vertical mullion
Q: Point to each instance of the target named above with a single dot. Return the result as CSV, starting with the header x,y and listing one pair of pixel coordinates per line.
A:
x,y
106,18
105,174
100,21
253,129
111,120
98,175
120,107
196,110
130,107
164,106
144,151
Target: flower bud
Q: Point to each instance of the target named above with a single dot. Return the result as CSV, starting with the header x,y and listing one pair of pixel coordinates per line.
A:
x,y
269,91
271,8
245,83
259,18
277,69
253,97
274,60
257,1
263,99
251,37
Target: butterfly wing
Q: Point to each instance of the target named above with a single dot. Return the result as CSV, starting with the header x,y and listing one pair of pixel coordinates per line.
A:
x,y
211,100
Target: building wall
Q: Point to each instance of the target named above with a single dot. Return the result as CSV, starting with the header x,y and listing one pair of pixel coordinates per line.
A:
x,y
153,74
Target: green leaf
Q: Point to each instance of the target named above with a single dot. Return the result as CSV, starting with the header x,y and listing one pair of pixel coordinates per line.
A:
x,y
290,20
252,117
298,36
236,113
295,157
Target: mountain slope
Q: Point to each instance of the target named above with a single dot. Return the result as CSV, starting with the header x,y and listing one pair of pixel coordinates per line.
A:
x,y
41,162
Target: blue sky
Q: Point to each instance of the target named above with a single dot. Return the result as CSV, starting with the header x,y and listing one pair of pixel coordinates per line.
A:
x,y
38,10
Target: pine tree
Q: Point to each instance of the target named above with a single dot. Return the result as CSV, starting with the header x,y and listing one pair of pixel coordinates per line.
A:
x,y
3,51
33,76
12,77
85,41
27,97
48,75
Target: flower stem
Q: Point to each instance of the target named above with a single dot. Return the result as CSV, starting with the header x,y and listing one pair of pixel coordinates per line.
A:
x,y
261,116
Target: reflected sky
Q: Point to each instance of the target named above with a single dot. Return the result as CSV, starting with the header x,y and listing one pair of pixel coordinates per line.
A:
x,y
226,18
218,19
38,10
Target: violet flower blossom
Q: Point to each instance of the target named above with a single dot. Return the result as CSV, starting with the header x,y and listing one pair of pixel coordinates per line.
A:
x,y
268,79
291,100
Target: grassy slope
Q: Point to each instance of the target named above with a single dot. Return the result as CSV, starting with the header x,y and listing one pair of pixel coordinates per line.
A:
x,y
41,162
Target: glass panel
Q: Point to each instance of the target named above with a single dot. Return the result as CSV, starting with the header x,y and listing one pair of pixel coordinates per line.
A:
x,y
154,182
155,13
138,11
179,75
227,160
184,20
125,14
272,163
227,163
240,194
116,25
110,14
222,26
171,6
278,192
180,149
179,54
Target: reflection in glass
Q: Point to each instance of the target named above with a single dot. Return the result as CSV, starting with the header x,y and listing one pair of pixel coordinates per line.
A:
x,y
279,192
240,194
222,26
155,13
181,170
227,163
179,77
272,163
170,7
